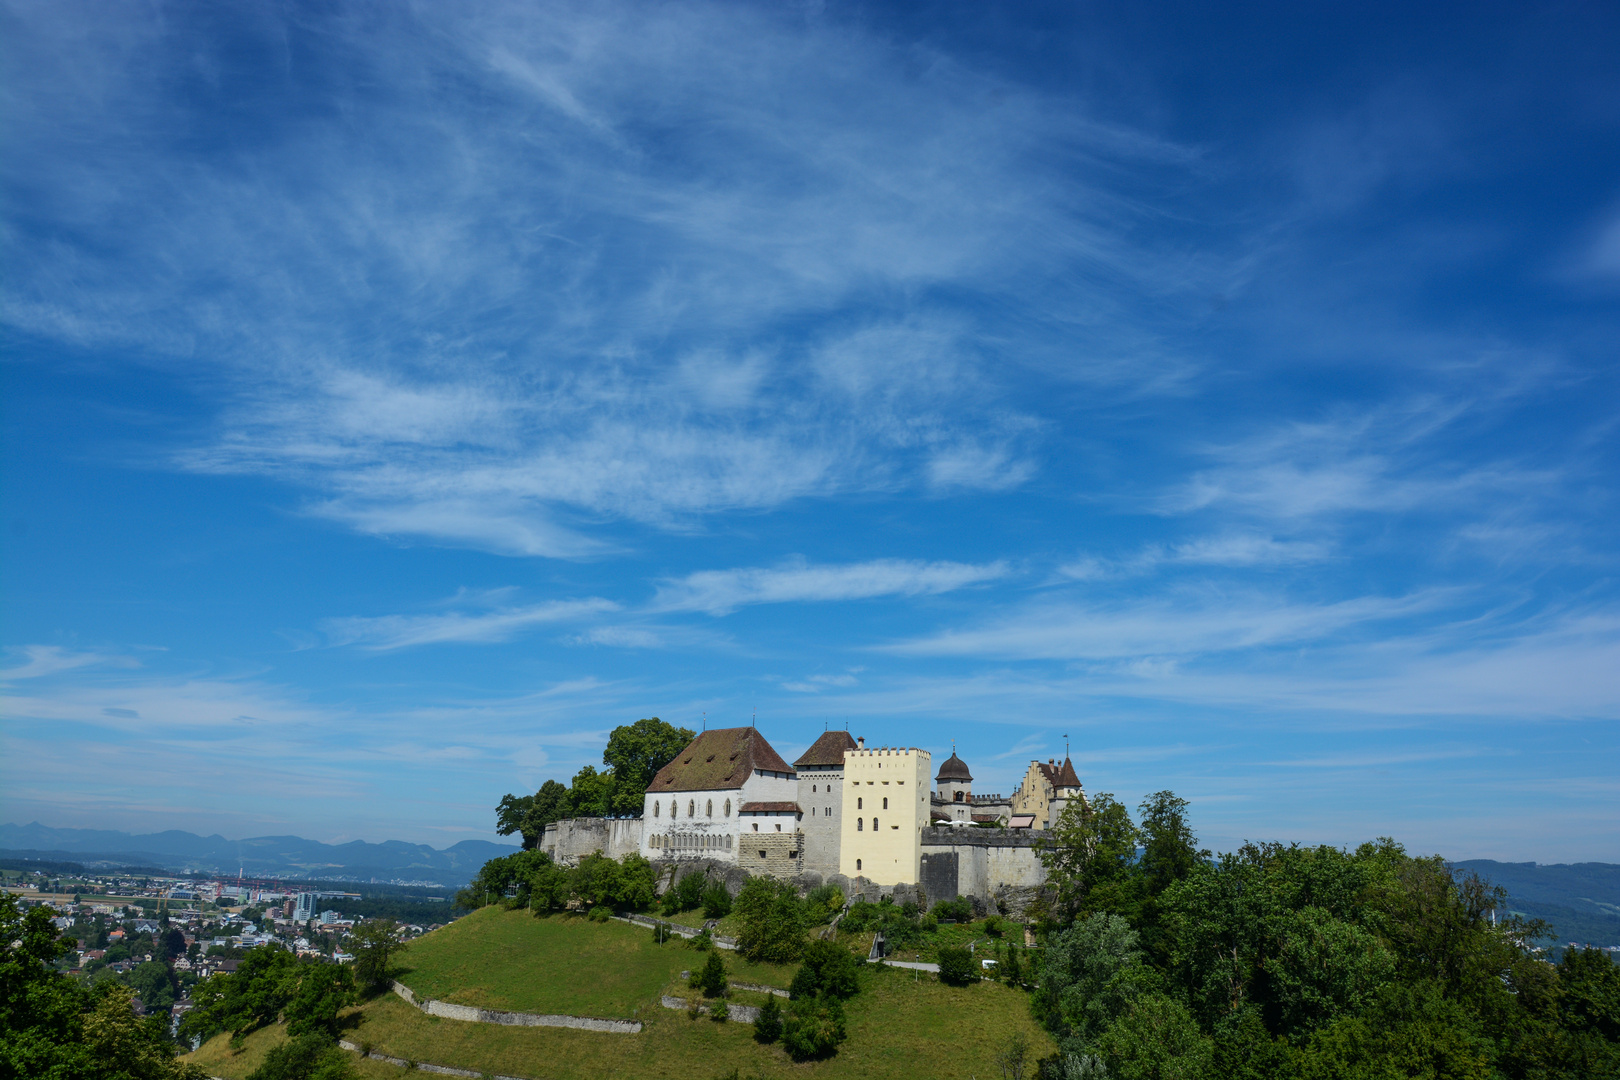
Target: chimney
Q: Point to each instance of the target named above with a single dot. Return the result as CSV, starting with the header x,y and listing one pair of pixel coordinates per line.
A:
x,y
860,742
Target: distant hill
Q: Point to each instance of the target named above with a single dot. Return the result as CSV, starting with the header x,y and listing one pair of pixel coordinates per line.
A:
x,y
1581,901
259,856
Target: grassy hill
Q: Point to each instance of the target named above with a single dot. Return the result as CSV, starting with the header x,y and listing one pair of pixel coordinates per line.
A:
x,y
495,959
899,1022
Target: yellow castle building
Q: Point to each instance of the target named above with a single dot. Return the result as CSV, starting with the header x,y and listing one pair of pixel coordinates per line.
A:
x,y
885,809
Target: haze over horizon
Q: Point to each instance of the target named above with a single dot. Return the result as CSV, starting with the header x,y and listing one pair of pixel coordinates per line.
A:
x,y
397,399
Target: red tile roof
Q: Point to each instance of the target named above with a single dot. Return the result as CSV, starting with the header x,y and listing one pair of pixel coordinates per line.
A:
x,y
827,750
719,759
770,808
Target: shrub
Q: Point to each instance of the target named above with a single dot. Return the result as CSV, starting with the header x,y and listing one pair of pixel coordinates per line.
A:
x,y
712,978
823,902
828,969
601,913
686,895
956,966
596,879
662,933
957,910
309,1057
374,943
768,1028
720,1010
716,902
773,921
813,1028
702,941
323,991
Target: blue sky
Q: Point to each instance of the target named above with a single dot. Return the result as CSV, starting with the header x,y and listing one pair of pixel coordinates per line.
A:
x,y
397,399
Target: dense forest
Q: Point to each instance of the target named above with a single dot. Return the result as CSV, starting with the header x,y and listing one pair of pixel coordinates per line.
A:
x,y
1279,961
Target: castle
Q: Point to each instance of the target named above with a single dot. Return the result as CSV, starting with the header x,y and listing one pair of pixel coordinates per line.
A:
x,y
868,817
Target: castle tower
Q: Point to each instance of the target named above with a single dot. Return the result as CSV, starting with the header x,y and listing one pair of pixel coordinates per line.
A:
x,y
821,792
885,808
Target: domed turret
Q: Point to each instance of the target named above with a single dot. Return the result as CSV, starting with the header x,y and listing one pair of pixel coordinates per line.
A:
x,y
954,782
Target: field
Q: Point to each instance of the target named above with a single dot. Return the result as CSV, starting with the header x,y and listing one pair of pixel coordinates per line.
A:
x,y
899,1023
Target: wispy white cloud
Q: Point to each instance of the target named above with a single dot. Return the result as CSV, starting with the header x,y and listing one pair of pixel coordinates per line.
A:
x,y
585,298
719,592
386,632
1228,550
43,660
1156,628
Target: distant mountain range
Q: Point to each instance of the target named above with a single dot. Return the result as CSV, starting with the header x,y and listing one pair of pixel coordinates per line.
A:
x,y
1581,901
259,856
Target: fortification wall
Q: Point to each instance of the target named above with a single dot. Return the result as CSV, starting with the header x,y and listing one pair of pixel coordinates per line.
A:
x,y
777,854
571,839
986,864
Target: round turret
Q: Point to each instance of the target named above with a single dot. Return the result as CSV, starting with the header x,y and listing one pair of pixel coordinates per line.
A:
x,y
954,769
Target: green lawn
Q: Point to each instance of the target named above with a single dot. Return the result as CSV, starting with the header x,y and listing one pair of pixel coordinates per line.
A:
x,y
494,959
901,1024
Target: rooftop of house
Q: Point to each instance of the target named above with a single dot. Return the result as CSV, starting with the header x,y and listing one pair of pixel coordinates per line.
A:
x,y
826,750
718,760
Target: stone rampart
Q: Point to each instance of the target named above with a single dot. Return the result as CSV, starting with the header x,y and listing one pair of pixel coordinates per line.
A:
x,y
572,839
997,868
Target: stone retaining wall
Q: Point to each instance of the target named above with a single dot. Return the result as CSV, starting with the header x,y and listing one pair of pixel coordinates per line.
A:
x,y
421,1066
743,1014
471,1015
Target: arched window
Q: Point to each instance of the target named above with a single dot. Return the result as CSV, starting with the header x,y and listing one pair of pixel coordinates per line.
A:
x,y
691,808
860,824
857,864
885,802
874,825
958,796
728,808
656,811
709,811
860,804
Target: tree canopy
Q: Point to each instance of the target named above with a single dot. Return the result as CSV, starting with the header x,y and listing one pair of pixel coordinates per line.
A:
x,y
1300,963
634,754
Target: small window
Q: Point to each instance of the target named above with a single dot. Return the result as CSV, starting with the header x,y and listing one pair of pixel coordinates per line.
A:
x,y
709,811
812,788
859,805
857,864
778,826
958,796
762,853
860,824
885,803
656,811
756,826
728,808
691,808
874,825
